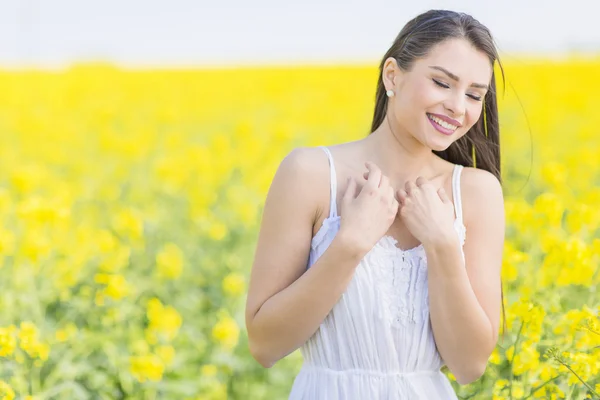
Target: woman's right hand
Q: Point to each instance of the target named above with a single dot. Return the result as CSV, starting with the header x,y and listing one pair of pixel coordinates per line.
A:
x,y
366,217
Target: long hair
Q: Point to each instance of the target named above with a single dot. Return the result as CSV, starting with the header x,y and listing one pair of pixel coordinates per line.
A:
x,y
480,147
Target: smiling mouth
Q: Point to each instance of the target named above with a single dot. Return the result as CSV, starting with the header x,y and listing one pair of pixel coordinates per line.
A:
x,y
441,125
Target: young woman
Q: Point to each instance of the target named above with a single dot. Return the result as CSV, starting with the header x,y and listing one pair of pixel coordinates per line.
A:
x,y
382,276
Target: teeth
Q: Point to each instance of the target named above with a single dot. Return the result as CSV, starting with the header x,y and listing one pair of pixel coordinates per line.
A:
x,y
442,122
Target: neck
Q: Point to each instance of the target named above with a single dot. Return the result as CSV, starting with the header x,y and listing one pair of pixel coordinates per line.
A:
x,y
399,155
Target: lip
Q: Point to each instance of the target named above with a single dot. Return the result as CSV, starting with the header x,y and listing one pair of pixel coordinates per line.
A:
x,y
447,119
441,129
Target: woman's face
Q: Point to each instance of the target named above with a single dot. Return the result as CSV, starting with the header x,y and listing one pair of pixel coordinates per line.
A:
x,y
441,97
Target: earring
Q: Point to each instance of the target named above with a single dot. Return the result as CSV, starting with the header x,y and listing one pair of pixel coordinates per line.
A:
x,y
390,93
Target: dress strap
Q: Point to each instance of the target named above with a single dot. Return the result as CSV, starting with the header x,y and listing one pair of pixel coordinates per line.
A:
x,y
456,192
333,183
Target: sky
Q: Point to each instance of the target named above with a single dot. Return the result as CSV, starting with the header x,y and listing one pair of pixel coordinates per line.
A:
x,y
58,33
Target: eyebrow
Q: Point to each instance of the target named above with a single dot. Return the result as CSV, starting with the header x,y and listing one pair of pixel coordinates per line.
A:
x,y
454,77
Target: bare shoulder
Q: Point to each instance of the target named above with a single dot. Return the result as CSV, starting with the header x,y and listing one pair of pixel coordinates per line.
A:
x,y
304,171
480,182
481,193
303,161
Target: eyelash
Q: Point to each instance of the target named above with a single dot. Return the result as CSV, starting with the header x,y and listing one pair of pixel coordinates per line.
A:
x,y
440,84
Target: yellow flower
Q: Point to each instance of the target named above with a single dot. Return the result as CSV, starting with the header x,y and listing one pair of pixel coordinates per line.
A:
x,y
509,353
215,391
234,284
66,333
35,245
526,359
549,208
511,261
547,372
28,334
8,341
140,347
169,261
116,285
581,216
42,350
596,247
147,367
107,242
29,342
166,354
7,242
217,231
226,332
116,260
495,357
6,392
129,223
499,385
209,370
165,321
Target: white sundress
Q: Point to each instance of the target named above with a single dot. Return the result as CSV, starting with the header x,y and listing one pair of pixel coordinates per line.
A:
x,y
377,341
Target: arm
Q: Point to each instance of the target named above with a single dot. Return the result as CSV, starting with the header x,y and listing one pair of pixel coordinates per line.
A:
x,y
286,303
465,299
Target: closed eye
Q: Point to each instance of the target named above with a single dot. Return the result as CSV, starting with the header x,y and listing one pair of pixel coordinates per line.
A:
x,y
445,86
441,84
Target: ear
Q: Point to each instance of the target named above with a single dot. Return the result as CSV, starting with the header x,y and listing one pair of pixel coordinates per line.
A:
x,y
391,74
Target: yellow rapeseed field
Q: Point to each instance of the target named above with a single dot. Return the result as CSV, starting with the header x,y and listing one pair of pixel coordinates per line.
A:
x,y
130,202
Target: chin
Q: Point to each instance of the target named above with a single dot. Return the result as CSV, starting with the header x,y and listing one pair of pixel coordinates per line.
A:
x,y
443,148
437,141
439,146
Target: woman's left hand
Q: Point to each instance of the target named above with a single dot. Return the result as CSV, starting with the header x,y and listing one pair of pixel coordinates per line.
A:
x,y
426,212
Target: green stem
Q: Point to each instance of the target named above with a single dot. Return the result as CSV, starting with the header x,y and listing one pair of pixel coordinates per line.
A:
x,y
593,331
535,389
512,361
591,389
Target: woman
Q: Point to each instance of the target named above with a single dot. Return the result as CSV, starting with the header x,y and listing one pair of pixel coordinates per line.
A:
x,y
406,277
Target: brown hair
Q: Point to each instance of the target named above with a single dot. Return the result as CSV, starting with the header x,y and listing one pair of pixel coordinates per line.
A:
x,y
480,147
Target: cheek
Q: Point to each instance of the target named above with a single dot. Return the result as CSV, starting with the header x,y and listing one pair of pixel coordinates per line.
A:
x,y
425,94
418,99
474,114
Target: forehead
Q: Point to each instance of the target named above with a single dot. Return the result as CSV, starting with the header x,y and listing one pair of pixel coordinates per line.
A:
x,y
461,58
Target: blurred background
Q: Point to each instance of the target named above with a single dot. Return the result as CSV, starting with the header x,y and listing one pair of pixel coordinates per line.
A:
x,y
198,34
138,140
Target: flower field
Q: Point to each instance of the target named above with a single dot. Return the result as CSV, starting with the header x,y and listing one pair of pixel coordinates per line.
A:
x,y
130,202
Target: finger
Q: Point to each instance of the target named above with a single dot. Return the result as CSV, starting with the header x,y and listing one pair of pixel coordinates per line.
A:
x,y
385,182
395,200
395,205
421,181
374,175
402,195
425,184
390,194
410,187
444,196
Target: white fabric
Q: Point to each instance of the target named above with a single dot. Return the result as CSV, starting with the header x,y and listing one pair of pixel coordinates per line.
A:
x,y
376,342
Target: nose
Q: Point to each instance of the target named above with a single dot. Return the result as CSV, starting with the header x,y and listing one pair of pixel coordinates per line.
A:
x,y
455,104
